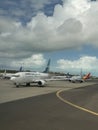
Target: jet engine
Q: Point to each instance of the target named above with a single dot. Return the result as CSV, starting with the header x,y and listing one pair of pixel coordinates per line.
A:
x,y
41,83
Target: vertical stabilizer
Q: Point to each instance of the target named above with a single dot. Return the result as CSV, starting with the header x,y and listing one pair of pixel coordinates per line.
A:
x,y
5,72
87,76
47,67
21,69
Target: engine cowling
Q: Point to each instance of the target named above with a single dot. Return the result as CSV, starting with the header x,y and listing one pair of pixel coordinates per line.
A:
x,y
41,83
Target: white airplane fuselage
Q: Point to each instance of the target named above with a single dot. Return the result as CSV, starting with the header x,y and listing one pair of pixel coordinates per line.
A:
x,y
79,78
60,78
29,77
76,79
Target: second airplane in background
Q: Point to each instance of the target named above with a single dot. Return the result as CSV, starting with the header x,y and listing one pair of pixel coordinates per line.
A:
x,y
80,79
7,75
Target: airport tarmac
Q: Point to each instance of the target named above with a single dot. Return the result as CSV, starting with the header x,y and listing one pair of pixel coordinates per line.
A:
x,y
9,92
77,111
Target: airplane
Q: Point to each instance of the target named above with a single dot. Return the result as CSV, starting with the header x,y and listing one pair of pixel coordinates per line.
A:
x,y
6,75
79,78
32,77
62,77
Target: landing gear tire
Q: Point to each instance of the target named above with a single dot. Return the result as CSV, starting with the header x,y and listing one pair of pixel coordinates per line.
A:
x,y
27,84
17,85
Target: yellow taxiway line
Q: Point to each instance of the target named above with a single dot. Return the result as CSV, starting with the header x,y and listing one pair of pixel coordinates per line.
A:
x,y
74,105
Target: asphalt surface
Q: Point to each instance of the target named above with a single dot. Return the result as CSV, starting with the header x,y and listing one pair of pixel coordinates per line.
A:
x,y
49,112
9,92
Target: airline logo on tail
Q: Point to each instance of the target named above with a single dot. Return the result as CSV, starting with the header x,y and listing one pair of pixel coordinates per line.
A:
x,y
87,76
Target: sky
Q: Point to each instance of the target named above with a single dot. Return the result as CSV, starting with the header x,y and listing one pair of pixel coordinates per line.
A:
x,y
66,31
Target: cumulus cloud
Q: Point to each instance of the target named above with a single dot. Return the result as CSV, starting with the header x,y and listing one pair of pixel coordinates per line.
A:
x,y
86,63
72,25
35,61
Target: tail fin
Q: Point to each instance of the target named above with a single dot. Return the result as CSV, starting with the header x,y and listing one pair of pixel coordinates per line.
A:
x,y
5,72
21,69
87,76
47,67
